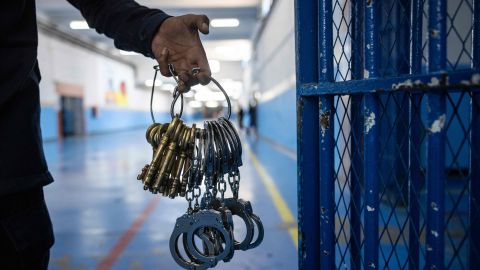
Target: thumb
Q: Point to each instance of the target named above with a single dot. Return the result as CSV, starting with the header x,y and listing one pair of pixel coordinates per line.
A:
x,y
201,22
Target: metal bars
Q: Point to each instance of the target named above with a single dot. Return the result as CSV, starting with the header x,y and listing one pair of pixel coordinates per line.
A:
x,y
414,187
474,215
371,134
374,124
436,138
326,164
474,251
356,169
307,136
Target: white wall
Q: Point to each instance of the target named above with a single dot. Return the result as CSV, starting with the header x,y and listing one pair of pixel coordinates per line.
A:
x,y
64,62
273,61
272,74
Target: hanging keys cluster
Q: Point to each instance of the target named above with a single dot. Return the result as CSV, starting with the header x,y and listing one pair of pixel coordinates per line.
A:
x,y
188,160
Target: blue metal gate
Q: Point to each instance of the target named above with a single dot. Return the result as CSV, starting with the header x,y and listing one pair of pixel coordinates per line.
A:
x,y
388,120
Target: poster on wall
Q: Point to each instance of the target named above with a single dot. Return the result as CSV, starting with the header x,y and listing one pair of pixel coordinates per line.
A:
x,y
116,94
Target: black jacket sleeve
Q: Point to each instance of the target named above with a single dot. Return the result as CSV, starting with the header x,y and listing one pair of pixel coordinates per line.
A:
x,y
131,25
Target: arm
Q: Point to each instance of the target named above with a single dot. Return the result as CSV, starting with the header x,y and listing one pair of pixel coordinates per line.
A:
x,y
130,25
171,40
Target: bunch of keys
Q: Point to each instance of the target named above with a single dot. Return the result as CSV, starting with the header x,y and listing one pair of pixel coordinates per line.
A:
x,y
172,152
187,159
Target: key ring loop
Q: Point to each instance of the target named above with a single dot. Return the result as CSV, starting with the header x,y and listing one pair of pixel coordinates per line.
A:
x,y
226,96
156,68
176,94
195,72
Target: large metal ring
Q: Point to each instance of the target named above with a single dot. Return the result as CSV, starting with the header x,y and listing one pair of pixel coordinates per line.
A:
x,y
226,96
172,107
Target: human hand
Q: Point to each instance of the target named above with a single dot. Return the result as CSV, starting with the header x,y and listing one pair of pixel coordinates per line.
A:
x,y
177,42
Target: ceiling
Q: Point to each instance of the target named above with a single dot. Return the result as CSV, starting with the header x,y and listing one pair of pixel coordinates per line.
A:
x,y
60,13
169,3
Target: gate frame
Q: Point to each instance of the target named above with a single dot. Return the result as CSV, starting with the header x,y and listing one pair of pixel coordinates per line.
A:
x,y
315,130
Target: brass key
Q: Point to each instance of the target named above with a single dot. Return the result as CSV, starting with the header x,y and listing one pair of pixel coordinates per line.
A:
x,y
177,169
157,157
166,160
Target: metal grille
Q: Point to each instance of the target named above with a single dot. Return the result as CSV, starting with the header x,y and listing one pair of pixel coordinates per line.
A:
x,y
388,105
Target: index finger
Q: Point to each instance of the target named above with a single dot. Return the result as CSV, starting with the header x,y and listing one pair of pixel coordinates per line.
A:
x,y
205,73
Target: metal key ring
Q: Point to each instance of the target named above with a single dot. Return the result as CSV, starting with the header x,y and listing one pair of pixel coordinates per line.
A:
x,y
208,150
237,141
224,146
232,149
175,98
219,148
195,72
226,96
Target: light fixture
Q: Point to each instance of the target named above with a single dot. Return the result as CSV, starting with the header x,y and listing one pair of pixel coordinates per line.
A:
x,y
226,22
149,83
211,104
189,94
234,88
79,25
127,53
206,95
266,6
214,65
168,87
195,104
239,51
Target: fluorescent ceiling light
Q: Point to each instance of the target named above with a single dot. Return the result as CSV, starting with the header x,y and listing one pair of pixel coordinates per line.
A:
x,y
228,50
214,66
79,25
127,53
195,104
168,87
239,51
227,22
266,6
189,94
211,104
208,95
149,83
234,88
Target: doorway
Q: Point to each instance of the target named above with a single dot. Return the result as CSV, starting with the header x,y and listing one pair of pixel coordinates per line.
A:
x,y
71,120
72,116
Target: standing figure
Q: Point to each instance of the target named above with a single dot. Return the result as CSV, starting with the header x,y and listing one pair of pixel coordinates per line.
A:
x,y
252,111
240,117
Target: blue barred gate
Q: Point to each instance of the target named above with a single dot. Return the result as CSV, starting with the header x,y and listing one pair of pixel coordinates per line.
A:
x,y
388,117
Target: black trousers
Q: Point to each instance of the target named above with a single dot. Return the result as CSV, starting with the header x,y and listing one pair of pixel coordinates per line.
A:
x,y
26,233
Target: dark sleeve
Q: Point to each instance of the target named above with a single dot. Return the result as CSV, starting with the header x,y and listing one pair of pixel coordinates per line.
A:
x,y
131,25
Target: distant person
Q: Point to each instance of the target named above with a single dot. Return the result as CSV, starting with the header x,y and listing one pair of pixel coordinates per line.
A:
x,y
26,234
240,117
252,111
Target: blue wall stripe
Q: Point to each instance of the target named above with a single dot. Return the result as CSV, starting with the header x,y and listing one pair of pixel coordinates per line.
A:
x,y
276,119
48,123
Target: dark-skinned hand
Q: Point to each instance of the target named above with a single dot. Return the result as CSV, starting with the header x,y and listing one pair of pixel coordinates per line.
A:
x,y
177,42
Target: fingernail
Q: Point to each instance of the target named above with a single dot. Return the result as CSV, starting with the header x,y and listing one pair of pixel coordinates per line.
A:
x,y
164,51
205,27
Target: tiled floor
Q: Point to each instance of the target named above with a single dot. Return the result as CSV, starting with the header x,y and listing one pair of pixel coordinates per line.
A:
x,y
98,206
